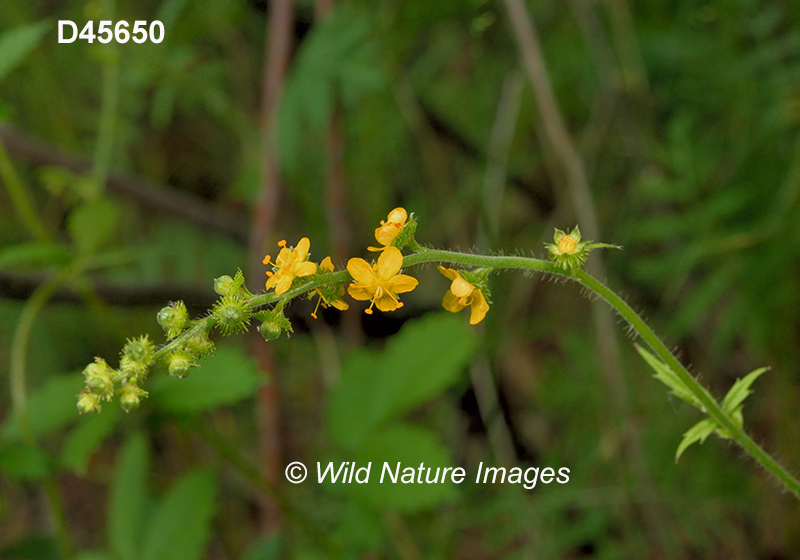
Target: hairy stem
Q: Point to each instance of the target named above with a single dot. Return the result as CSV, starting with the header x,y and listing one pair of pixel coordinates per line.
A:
x,y
580,276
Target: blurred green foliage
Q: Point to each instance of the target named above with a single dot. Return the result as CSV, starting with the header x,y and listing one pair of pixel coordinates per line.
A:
x,y
686,115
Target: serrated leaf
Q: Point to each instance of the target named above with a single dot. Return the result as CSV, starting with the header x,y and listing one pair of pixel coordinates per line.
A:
x,y
17,43
93,223
426,357
227,377
32,255
181,524
129,498
87,437
740,390
698,432
51,406
23,462
669,378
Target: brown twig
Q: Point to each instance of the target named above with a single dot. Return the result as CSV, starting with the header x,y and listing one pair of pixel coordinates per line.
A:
x,y
148,193
276,61
578,186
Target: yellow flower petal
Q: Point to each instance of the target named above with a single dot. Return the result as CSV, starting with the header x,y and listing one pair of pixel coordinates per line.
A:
x,y
451,303
284,283
448,272
389,263
305,268
398,216
460,287
478,308
301,251
386,302
326,264
386,234
401,284
360,292
361,271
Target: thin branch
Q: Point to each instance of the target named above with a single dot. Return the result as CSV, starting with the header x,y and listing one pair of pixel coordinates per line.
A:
x,y
15,285
578,186
161,198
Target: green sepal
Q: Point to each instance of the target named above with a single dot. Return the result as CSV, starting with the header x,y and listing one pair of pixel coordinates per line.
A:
x,y
406,235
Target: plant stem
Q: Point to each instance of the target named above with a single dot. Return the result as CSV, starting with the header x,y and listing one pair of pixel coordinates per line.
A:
x,y
21,197
19,398
578,275
711,406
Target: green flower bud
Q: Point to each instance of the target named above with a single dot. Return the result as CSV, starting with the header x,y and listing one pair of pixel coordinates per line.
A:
x,y
179,365
200,345
223,285
137,357
88,402
273,324
173,319
270,330
231,314
99,378
131,396
569,252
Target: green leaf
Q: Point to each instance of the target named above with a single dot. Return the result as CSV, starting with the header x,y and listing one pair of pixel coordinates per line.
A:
x,y
181,525
741,390
32,255
129,498
265,548
420,362
32,547
410,446
21,461
698,432
93,223
87,437
669,378
227,377
51,406
17,43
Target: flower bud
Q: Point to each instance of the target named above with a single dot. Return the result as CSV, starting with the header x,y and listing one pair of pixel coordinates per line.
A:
x,y
231,314
273,324
270,330
99,379
88,402
131,396
179,365
200,345
223,285
137,356
173,319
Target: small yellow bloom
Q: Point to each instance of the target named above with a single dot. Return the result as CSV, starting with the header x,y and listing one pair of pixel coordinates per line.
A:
x,y
461,294
390,228
289,263
380,282
327,266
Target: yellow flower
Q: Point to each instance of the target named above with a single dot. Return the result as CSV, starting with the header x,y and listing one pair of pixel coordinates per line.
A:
x,y
289,263
462,294
327,266
380,282
390,228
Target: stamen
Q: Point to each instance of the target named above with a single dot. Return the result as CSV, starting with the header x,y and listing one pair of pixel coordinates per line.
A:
x,y
282,243
317,307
